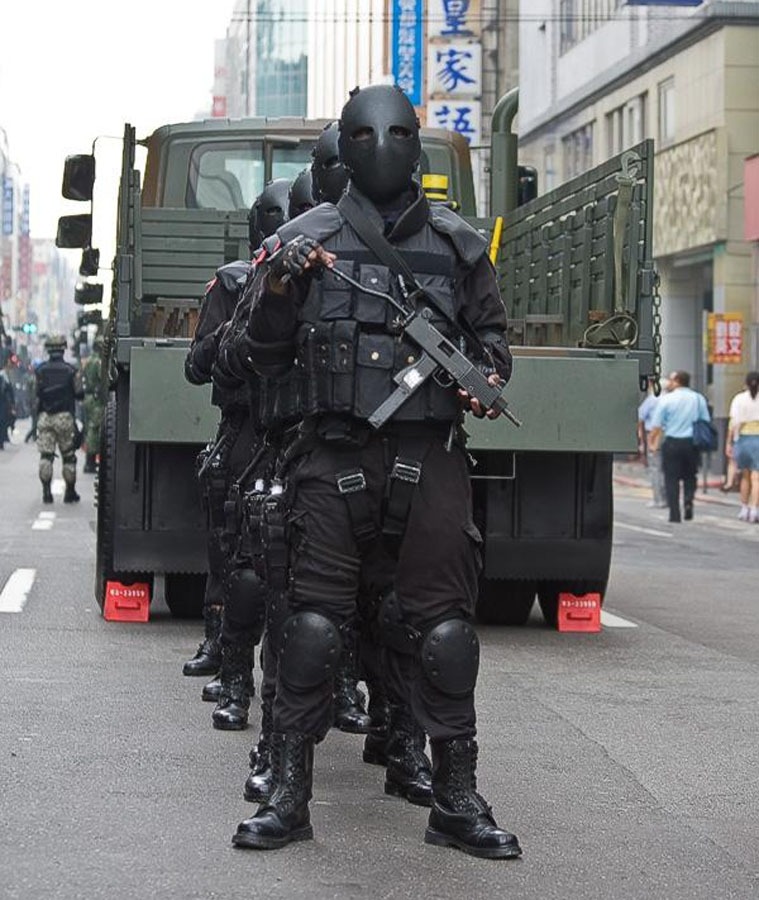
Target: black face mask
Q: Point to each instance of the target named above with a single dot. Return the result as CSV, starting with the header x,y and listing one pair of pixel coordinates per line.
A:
x,y
268,212
379,141
301,195
330,175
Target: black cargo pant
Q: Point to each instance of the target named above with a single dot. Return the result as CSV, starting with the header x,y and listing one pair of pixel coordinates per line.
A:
x,y
434,576
680,461
238,428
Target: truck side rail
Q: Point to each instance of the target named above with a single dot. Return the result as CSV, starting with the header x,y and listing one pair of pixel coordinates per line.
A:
x,y
557,257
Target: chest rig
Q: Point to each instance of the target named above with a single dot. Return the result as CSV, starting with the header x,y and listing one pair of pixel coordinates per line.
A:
x,y
348,343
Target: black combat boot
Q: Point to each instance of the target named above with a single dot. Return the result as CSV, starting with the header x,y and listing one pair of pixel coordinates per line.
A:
x,y
231,713
47,494
90,466
408,772
285,817
375,743
207,659
350,712
258,783
70,496
211,691
460,817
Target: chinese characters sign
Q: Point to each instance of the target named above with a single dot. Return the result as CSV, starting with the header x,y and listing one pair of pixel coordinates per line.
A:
x,y
407,48
454,67
7,205
725,335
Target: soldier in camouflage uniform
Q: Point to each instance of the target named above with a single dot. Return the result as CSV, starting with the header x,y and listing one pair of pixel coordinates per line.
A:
x,y
59,386
93,405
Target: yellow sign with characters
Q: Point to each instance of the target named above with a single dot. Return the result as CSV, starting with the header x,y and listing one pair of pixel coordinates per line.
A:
x,y
725,337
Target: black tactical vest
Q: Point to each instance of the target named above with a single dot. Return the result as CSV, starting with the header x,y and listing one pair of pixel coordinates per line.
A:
x,y
55,386
349,345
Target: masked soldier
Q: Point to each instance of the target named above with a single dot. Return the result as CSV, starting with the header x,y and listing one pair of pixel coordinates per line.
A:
x,y
360,494
93,405
59,386
228,645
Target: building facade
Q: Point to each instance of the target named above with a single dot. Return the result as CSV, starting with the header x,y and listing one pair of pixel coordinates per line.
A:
x,y
597,78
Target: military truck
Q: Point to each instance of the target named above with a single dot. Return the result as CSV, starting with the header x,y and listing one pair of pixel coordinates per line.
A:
x,y
576,275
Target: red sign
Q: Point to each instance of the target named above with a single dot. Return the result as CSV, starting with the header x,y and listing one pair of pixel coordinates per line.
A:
x,y
219,107
725,333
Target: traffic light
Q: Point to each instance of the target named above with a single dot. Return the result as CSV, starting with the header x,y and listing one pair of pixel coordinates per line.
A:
x,y
29,328
86,293
89,317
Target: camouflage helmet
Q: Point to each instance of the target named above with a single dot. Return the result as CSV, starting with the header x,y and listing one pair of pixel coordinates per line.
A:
x,y
55,342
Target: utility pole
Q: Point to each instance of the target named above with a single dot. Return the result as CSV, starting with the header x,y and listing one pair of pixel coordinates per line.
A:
x,y
247,58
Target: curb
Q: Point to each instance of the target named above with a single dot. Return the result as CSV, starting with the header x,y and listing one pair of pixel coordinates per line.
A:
x,y
701,497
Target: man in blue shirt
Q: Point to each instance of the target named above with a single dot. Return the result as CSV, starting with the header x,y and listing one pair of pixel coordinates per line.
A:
x,y
673,418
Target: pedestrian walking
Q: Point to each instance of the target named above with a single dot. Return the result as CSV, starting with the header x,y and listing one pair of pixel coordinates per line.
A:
x,y
7,409
672,431
742,445
653,457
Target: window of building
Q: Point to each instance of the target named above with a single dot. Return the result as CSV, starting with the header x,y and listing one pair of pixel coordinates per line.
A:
x,y
626,125
667,111
578,150
579,18
549,167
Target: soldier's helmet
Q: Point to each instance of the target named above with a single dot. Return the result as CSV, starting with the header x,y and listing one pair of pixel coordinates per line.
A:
x,y
55,343
301,197
379,141
330,175
269,211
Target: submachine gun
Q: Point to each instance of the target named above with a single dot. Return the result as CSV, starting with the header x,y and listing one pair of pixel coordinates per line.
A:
x,y
439,355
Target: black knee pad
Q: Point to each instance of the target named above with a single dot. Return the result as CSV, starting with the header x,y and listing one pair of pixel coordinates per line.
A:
x,y
48,456
69,459
245,603
310,651
451,657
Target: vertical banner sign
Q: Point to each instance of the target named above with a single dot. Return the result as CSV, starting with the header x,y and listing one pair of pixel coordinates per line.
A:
x,y
25,210
725,335
7,205
454,67
407,48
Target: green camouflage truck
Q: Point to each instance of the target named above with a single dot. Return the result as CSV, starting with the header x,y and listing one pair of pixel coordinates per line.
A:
x,y
576,274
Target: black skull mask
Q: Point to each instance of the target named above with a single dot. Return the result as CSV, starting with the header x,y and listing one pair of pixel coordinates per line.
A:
x,y
379,141
269,211
330,175
301,195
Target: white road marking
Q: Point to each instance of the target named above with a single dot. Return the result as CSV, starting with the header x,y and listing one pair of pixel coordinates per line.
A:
x,y
16,590
654,531
609,620
44,521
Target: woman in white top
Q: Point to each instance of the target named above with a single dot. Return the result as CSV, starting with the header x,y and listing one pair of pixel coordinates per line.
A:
x,y
743,445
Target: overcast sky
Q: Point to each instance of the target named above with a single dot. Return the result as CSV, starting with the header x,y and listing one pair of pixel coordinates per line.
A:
x,y
74,69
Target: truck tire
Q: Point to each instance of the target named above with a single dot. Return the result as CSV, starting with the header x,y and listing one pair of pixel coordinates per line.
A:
x,y
548,595
503,602
184,594
105,501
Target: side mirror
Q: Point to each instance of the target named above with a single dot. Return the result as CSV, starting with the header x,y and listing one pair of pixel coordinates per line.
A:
x,y
78,177
527,184
85,293
90,261
89,317
74,231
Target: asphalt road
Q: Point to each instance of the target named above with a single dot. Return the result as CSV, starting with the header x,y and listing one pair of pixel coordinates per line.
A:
x,y
626,761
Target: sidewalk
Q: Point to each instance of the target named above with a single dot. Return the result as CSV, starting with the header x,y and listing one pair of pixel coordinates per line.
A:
x,y
635,474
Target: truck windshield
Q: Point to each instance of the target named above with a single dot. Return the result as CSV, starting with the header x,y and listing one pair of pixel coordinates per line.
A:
x,y
230,175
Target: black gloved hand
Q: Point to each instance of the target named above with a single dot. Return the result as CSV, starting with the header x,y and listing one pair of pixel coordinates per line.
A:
x,y
291,260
